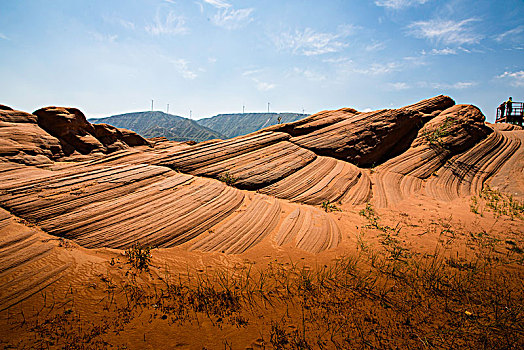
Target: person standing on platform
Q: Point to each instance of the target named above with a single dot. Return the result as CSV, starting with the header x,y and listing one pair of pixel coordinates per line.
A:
x,y
502,109
509,109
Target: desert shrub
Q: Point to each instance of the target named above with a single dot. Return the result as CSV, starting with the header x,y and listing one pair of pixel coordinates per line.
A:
x,y
139,257
228,179
329,206
435,136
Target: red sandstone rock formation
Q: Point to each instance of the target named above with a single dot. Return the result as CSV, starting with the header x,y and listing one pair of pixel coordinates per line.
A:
x,y
415,161
53,133
23,141
163,195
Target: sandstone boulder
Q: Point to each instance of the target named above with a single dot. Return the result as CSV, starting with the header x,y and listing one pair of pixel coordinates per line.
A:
x,y
9,115
133,139
455,129
110,136
367,139
23,141
71,127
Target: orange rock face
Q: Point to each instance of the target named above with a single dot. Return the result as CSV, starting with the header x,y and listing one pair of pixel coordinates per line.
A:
x,y
168,194
53,133
23,141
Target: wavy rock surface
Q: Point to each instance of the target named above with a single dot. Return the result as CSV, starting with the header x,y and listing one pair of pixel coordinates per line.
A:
x,y
28,263
168,195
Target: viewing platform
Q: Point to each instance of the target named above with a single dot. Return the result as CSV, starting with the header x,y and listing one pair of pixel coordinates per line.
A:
x,y
516,113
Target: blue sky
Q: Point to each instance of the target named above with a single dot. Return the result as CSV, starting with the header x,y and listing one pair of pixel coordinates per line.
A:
x,y
213,56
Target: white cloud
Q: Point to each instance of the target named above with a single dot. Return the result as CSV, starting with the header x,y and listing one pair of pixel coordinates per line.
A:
x,y
345,65
445,86
340,60
310,43
170,1
251,72
126,24
263,86
446,31
218,3
510,34
445,51
379,68
399,86
232,19
200,6
398,4
309,74
376,46
410,61
182,66
2,36
170,24
515,78
463,85
119,21
104,37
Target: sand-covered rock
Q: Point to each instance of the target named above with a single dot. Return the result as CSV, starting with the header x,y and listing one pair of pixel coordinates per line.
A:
x,y
367,139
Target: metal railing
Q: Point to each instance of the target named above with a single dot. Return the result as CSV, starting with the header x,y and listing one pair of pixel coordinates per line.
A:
x,y
512,116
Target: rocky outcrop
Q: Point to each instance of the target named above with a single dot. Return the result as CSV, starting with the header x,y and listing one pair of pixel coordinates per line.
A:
x,y
23,141
71,127
367,139
314,122
168,195
54,133
115,139
132,139
109,136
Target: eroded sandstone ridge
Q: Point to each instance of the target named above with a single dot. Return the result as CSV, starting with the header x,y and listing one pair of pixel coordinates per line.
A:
x,y
106,187
54,133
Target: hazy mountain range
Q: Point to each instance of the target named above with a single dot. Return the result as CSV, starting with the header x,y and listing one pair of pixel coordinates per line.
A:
x,y
156,124
232,125
223,126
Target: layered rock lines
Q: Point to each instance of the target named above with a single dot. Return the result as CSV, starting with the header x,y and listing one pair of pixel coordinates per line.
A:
x,y
88,184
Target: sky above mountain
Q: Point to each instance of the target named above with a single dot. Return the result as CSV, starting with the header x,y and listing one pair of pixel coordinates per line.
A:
x,y
214,56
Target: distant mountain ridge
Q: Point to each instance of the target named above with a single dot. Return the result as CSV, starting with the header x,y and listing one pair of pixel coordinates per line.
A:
x,y
157,124
236,124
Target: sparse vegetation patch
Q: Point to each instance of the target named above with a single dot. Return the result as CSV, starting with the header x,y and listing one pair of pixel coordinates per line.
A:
x,y
329,206
139,257
498,203
228,179
435,136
